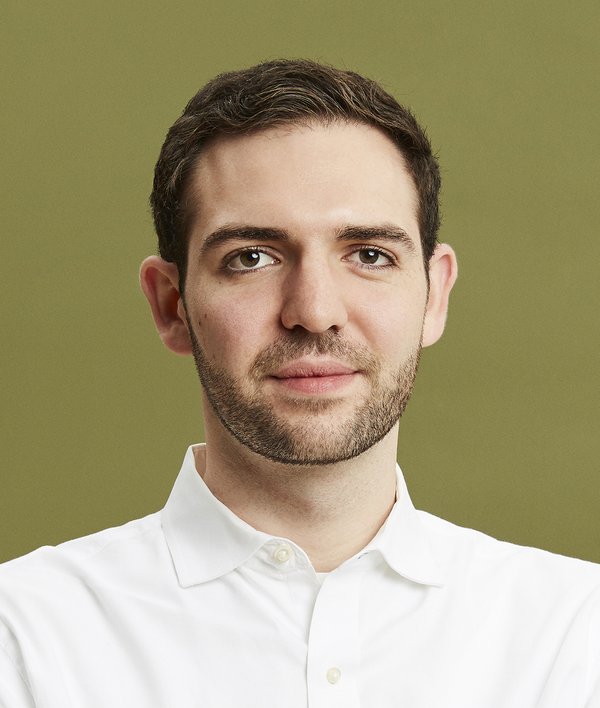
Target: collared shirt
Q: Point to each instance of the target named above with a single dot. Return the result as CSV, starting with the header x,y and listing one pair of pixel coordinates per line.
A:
x,y
192,607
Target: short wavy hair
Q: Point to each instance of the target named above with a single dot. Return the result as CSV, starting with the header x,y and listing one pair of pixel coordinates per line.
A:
x,y
276,93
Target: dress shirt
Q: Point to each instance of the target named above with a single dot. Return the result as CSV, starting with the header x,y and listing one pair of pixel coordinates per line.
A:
x,y
191,607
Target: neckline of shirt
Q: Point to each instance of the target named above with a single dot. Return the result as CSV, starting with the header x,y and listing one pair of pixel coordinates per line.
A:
x,y
207,540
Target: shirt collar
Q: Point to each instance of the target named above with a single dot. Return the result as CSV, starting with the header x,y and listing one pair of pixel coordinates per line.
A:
x,y
405,543
207,540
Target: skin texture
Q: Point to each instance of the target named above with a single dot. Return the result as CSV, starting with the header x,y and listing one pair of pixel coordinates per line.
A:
x,y
305,301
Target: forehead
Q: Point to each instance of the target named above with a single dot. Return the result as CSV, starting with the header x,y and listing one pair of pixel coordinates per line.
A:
x,y
303,178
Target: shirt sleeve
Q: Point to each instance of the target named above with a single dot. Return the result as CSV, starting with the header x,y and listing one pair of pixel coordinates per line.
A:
x,y
14,692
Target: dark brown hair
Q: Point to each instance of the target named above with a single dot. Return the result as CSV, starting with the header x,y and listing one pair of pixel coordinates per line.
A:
x,y
269,95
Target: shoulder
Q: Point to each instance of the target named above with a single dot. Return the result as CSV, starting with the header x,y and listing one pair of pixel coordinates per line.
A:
x,y
64,598
476,560
51,571
539,608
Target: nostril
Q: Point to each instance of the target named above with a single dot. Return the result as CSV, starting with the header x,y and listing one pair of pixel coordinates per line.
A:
x,y
312,299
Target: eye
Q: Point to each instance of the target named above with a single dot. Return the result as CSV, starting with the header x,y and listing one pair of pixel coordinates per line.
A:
x,y
370,256
250,259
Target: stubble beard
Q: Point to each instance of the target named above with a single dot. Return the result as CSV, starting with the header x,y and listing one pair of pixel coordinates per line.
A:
x,y
317,436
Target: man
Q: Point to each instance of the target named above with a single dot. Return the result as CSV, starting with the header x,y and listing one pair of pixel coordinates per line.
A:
x,y
297,213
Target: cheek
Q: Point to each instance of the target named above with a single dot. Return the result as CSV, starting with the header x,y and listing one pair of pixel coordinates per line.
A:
x,y
232,331
392,328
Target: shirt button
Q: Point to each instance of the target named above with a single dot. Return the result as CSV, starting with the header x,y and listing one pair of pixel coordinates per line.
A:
x,y
334,674
282,553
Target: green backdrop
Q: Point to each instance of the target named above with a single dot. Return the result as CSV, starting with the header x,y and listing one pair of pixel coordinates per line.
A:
x,y
502,433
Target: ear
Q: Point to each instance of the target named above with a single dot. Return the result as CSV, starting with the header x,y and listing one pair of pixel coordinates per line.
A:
x,y
443,270
160,282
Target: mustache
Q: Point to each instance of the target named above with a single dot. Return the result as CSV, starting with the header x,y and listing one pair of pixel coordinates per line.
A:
x,y
296,345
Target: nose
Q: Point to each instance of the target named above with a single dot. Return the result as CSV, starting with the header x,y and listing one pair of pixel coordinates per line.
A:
x,y
314,300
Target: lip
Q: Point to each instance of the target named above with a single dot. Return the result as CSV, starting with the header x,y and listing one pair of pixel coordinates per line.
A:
x,y
315,377
311,368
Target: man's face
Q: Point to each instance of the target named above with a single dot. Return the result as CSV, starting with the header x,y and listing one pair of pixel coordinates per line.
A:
x,y
305,290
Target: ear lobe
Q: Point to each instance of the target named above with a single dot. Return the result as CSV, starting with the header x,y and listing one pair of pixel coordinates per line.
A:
x,y
443,270
160,282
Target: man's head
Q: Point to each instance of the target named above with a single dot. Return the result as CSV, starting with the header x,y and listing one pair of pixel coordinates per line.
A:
x,y
274,94
306,299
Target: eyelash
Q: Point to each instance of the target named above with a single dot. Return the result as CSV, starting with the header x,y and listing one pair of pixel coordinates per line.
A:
x,y
250,249
392,261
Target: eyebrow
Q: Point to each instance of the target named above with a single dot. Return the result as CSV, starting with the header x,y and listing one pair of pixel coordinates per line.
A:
x,y
242,233
383,232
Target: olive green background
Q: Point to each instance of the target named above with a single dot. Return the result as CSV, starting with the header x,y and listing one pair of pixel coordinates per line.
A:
x,y
502,432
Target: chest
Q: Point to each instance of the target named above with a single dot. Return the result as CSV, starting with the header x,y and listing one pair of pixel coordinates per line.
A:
x,y
287,641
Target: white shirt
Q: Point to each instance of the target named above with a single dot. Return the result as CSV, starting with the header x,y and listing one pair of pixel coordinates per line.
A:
x,y
191,607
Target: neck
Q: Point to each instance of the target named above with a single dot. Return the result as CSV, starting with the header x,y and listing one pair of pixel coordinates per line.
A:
x,y
330,511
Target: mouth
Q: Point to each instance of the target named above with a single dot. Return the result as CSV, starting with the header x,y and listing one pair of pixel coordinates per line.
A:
x,y
315,377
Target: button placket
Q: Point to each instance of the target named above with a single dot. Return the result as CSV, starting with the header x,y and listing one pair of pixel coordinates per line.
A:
x,y
334,641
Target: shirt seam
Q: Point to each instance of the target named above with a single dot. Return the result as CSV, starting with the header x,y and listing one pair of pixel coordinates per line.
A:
x,y
88,557
591,682
24,681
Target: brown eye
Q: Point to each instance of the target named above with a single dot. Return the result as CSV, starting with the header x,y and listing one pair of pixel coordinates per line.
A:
x,y
251,260
369,256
